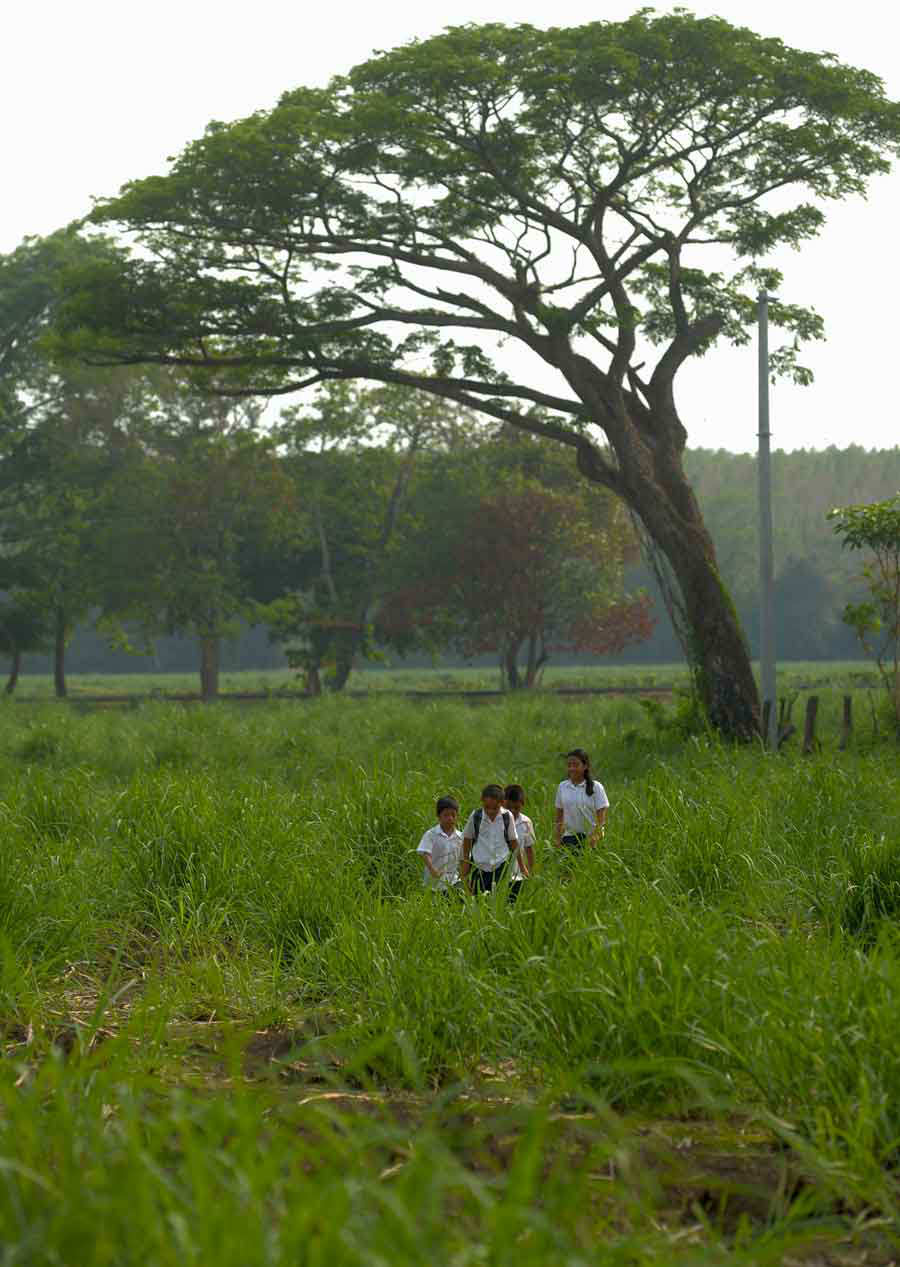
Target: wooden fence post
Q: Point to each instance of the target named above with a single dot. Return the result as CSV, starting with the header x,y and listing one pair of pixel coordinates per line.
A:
x,y
785,726
847,726
809,726
766,713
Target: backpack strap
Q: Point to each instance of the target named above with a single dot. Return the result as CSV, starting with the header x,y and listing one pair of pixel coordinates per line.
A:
x,y
476,824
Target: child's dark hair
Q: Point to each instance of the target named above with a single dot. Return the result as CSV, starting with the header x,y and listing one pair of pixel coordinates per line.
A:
x,y
446,802
514,792
586,762
493,789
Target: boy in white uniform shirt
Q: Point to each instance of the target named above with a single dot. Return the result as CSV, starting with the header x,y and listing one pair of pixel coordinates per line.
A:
x,y
514,800
489,840
441,848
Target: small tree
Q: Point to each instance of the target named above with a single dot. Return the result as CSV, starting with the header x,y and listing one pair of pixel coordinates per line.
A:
x,y
876,621
354,493
63,435
509,553
57,471
194,510
23,627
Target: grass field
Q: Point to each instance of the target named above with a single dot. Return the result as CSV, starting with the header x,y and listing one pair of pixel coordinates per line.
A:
x,y
236,1031
793,674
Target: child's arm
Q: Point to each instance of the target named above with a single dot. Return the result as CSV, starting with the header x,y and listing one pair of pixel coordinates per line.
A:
x,y
517,847
426,857
424,852
526,847
558,827
466,865
600,828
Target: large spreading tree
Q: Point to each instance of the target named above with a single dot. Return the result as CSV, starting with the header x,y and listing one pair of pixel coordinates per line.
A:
x,y
542,225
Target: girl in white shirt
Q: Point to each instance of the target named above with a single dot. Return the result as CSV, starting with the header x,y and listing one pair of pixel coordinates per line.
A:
x,y
581,804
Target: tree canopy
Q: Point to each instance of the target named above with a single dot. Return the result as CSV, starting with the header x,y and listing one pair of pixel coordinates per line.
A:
x,y
560,179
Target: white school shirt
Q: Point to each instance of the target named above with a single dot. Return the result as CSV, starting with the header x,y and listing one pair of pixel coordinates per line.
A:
x,y
525,832
490,849
446,852
579,809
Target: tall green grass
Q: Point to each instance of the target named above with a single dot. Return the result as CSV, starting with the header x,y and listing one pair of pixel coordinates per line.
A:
x,y
730,951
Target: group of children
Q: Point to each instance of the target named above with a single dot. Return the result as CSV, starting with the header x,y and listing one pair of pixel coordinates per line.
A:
x,y
498,839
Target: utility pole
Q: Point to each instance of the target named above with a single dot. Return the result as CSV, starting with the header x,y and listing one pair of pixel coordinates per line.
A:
x,y
766,569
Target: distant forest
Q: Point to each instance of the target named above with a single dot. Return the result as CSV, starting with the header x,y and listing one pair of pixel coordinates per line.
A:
x,y
814,576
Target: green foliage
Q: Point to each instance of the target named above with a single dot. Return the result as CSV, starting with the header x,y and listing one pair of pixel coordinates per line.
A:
x,y
506,548
205,504
554,189
876,622
354,493
875,527
471,134
29,296
684,720
59,507
872,898
224,972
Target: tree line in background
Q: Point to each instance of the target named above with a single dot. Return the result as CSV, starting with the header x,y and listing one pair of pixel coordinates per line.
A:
x,y
371,519
815,576
551,192
372,523
365,522
602,202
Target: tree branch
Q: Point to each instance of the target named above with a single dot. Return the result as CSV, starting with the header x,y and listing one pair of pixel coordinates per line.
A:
x,y
685,344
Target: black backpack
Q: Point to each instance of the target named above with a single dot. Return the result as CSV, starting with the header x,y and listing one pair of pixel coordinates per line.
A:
x,y
476,823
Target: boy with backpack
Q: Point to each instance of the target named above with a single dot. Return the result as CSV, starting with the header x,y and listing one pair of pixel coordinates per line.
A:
x,y
489,841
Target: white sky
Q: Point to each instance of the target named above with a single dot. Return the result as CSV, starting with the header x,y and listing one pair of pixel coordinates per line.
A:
x,y
98,93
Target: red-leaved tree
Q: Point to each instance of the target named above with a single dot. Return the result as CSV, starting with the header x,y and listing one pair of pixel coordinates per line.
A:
x,y
524,569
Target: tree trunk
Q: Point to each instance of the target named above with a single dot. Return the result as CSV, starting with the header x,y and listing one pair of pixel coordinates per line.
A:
x,y
313,681
342,670
651,479
345,658
511,666
536,659
14,668
210,647
720,654
59,655
718,650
